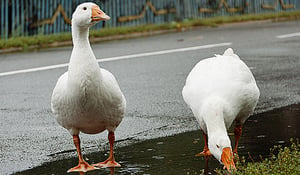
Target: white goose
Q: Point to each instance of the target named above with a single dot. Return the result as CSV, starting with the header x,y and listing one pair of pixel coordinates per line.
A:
x,y
220,90
87,98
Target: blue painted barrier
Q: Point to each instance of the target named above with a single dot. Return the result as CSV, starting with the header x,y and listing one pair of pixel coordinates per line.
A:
x,y
43,17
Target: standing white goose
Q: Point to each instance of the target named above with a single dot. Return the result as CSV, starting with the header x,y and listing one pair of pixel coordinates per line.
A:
x,y
220,90
87,98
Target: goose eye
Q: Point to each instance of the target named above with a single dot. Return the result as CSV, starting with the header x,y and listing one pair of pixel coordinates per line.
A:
x,y
84,8
217,146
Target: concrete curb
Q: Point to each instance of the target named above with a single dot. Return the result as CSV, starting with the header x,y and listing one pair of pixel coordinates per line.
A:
x,y
92,40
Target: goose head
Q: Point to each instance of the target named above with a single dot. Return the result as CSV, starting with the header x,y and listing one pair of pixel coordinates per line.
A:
x,y
220,147
88,14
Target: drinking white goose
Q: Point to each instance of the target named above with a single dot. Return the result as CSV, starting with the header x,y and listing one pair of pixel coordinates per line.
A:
x,y
220,90
87,98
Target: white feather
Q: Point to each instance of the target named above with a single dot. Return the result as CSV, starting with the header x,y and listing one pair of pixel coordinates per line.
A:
x,y
86,98
220,90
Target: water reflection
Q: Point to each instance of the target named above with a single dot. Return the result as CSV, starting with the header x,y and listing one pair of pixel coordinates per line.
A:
x,y
111,169
175,154
206,170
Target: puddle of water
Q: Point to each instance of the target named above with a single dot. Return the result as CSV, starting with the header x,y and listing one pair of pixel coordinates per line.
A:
x,y
175,154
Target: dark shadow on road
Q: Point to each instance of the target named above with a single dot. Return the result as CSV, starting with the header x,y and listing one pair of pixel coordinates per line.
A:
x,y
175,154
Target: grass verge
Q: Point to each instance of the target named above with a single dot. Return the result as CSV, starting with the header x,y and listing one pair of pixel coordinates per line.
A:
x,y
44,41
286,161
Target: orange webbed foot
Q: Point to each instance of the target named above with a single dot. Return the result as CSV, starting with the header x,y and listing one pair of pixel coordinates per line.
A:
x,y
82,167
205,153
107,163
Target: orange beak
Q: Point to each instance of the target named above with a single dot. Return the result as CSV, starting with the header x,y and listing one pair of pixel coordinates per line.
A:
x,y
227,159
98,14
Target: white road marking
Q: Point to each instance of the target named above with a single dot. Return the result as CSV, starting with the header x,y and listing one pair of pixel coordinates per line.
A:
x,y
118,58
33,69
288,35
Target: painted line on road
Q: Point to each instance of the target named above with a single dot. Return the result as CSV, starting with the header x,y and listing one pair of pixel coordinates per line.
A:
x,y
163,52
288,35
118,58
33,69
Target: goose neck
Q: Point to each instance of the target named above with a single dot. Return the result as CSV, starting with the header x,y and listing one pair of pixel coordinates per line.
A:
x,y
213,116
80,36
216,127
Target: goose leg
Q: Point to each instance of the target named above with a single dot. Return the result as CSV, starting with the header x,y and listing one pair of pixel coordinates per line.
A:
x,y
205,151
82,166
237,134
110,161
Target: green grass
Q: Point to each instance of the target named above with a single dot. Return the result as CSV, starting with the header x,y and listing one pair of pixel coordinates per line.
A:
x,y
41,41
286,161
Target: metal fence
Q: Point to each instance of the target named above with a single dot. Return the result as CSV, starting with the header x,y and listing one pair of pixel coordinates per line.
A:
x,y
42,17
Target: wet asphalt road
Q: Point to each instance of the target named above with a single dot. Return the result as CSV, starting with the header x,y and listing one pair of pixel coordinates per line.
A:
x,y
169,156
29,135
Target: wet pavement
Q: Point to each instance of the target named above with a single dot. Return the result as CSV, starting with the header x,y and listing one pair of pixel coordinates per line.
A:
x,y
175,154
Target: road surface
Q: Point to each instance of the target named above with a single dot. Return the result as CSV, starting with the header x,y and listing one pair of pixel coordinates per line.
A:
x,y
151,72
